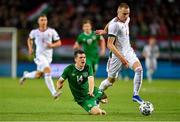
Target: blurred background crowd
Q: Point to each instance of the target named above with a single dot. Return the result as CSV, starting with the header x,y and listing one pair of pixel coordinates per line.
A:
x,y
148,17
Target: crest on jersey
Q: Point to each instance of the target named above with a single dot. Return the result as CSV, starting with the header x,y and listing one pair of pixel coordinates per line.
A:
x,y
89,41
85,74
94,37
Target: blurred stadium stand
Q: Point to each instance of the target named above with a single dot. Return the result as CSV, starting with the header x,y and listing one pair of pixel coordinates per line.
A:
x,y
159,18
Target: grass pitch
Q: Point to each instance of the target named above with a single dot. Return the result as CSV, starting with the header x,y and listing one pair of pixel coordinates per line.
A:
x,y
33,102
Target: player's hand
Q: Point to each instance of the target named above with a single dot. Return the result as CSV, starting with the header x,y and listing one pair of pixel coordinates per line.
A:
x,y
49,45
125,63
91,94
100,32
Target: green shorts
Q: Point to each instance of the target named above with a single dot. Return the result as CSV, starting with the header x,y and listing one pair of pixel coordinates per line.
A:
x,y
93,63
91,102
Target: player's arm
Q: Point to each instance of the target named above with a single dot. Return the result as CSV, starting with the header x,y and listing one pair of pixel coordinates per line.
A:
x,y
76,45
60,83
56,40
102,32
30,46
54,44
111,46
91,85
102,46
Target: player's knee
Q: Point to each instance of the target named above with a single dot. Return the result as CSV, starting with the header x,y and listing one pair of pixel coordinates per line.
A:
x,y
38,74
112,80
96,111
47,70
139,70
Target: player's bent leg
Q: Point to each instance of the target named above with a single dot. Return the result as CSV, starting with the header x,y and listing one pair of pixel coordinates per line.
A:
x,y
97,111
137,81
38,74
49,82
31,75
106,83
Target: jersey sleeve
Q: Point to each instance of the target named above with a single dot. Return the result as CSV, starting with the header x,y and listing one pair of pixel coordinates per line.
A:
x,y
55,35
99,37
32,35
65,73
79,40
113,29
90,71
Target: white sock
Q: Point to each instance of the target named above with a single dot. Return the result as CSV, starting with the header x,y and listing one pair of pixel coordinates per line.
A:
x,y
138,80
30,74
49,83
105,84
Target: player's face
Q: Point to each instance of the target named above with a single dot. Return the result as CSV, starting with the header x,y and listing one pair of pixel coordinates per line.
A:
x,y
152,41
80,60
123,14
87,28
42,21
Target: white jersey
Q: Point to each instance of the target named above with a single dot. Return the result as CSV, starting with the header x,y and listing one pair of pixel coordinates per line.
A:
x,y
41,40
151,52
121,31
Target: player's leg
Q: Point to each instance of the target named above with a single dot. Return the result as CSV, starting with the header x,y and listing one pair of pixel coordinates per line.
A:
x,y
30,75
135,64
43,64
97,111
49,82
91,106
137,81
113,67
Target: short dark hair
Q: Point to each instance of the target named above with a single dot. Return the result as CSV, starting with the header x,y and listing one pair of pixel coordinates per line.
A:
x,y
42,15
78,52
85,21
123,5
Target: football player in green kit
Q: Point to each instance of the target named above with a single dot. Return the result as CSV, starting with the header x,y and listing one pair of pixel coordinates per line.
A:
x,y
90,43
81,82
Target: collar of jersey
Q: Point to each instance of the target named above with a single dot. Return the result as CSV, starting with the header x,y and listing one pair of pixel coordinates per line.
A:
x,y
87,34
78,68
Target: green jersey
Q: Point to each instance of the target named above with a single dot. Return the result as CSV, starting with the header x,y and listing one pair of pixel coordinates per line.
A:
x,y
78,81
90,44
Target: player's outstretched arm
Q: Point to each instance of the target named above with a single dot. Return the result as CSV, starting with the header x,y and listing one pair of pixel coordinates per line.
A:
x,y
91,85
102,32
111,46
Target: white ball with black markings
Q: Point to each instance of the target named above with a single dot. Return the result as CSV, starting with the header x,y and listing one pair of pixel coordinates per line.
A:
x,y
146,108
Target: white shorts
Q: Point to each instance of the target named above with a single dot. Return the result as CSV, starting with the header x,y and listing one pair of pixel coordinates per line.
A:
x,y
42,62
114,64
151,64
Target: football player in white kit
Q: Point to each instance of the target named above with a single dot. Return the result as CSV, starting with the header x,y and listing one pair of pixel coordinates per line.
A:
x,y
45,39
121,51
151,53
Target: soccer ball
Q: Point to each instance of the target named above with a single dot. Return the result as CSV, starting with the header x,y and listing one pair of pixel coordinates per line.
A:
x,y
146,108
